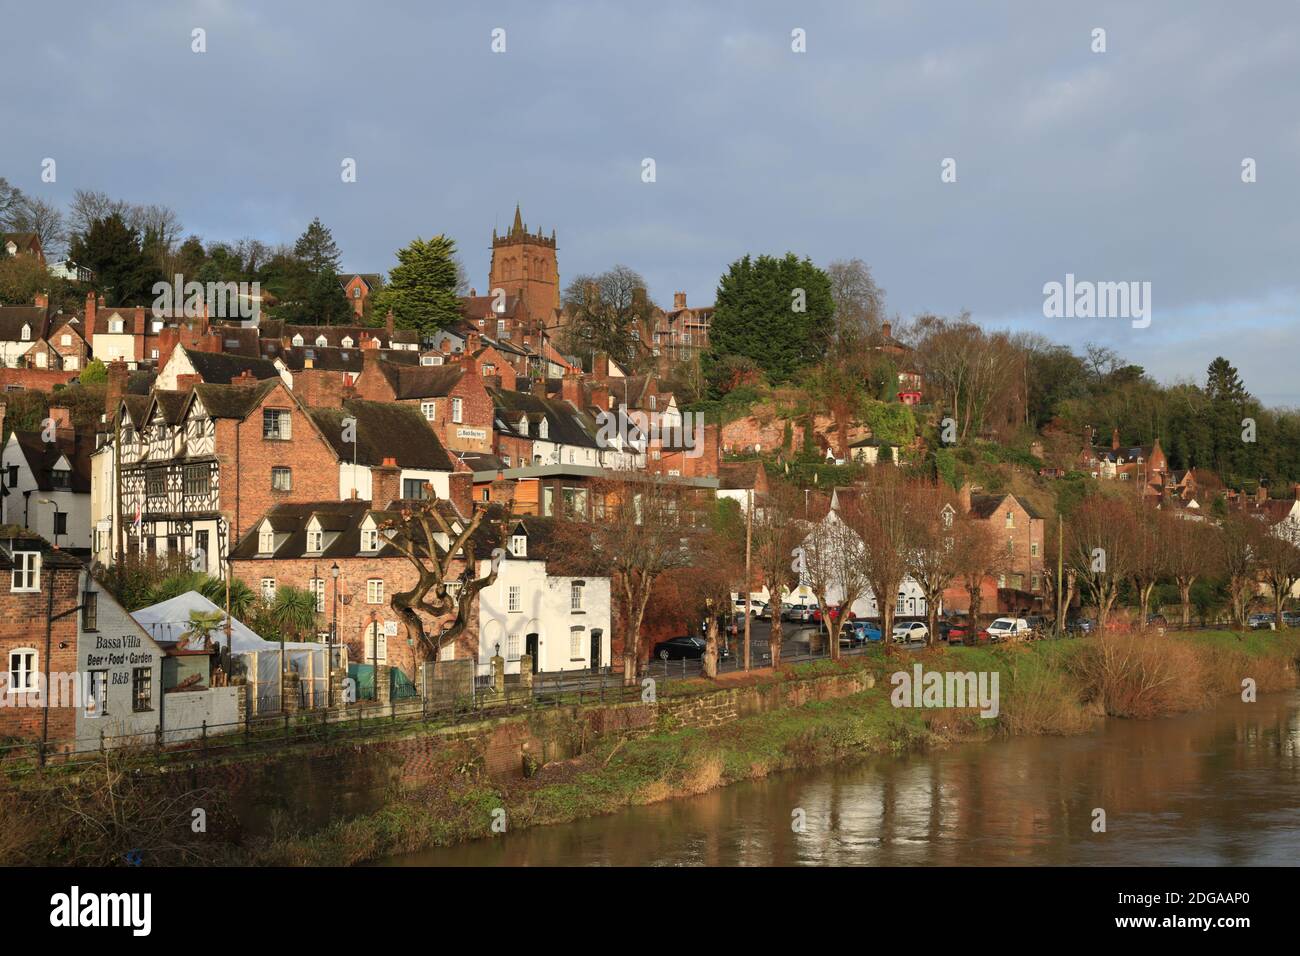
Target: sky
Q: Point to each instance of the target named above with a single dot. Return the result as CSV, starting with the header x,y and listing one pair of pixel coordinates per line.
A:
x,y
1115,166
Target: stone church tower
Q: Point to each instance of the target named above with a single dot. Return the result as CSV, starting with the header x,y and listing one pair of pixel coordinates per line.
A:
x,y
524,265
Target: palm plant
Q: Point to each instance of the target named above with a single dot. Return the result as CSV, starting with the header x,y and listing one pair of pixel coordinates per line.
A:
x,y
203,623
293,611
242,597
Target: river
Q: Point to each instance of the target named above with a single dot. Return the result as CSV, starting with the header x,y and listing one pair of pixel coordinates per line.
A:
x,y
1215,788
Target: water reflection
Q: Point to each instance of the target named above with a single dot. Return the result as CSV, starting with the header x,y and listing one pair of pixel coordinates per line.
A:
x,y
1215,788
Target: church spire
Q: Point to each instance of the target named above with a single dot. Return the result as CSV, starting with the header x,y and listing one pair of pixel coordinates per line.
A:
x,y
518,227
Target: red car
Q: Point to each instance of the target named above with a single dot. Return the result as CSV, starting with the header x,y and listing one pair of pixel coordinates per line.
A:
x,y
834,615
961,634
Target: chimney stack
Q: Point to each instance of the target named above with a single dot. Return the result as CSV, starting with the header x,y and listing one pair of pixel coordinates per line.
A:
x,y
90,314
964,497
385,483
1114,440
679,300
571,388
42,300
389,325
886,330
117,377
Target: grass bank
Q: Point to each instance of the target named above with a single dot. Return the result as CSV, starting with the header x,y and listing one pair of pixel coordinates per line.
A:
x,y
1050,687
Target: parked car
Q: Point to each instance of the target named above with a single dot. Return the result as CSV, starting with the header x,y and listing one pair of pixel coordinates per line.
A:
x,y
1009,628
1039,623
960,632
833,614
801,613
765,612
680,648
1080,625
1262,622
859,632
754,606
1291,618
906,631
1158,623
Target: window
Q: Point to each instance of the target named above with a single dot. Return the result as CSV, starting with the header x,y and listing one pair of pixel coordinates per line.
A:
x,y
115,326
315,541
375,591
519,545
317,587
356,292
1033,548
429,410
268,589
276,424
297,340
153,353
415,489
347,342
141,689
575,596
1011,520
575,643
65,340
60,522
265,541
13,476
369,539
281,479
27,333
543,429
196,480
456,405
90,611
322,341
513,598
512,647
376,643
97,694
155,482
27,570
22,670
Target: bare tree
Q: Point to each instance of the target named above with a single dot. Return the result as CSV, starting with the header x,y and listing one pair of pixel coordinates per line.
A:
x,y
831,562
45,219
1149,547
1237,542
883,515
774,537
980,554
1190,553
1279,563
933,545
445,551
1101,549
643,526
859,302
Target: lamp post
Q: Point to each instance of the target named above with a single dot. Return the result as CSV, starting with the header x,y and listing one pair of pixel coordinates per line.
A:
x,y
334,630
54,521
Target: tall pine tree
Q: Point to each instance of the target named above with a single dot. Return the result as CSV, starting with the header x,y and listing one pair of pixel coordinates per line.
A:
x,y
421,288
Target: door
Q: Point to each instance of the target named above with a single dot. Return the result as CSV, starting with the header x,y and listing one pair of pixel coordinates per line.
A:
x,y
596,635
530,648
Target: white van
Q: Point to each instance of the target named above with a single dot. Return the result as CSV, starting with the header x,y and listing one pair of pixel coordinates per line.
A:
x,y
1009,628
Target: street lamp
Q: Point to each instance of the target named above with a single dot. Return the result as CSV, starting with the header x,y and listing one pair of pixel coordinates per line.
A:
x,y
334,629
54,522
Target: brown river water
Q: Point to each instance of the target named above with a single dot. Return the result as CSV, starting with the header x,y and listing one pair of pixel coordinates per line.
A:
x,y
1217,788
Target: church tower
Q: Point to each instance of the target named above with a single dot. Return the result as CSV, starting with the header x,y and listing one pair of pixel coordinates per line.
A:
x,y
524,264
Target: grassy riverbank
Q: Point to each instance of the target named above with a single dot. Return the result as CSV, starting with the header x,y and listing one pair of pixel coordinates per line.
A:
x,y
1045,688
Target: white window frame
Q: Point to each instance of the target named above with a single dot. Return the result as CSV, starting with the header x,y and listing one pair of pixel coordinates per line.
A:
x,y
29,670
457,409
265,542
576,634
375,636
374,590
317,587
519,545
370,539
429,410
268,589
96,704
576,589
514,598
26,577
315,543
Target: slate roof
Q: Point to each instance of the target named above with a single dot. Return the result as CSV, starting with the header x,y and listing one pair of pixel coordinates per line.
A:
x,y
339,359
42,456
14,538
220,368
383,430
422,381
739,474
335,334
985,506
565,424
233,401
14,317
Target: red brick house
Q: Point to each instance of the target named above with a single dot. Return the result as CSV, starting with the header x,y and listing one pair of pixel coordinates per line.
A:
x,y
452,398
359,288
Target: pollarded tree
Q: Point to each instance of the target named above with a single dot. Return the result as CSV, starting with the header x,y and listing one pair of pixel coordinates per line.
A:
x,y
446,552
883,515
1148,528
1279,563
933,545
1189,547
831,563
1238,548
980,554
1101,549
774,536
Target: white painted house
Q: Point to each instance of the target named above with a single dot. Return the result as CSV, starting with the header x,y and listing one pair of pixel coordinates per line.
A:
x,y
47,482
562,621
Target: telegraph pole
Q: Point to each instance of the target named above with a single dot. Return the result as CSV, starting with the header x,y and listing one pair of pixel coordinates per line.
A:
x,y
1060,562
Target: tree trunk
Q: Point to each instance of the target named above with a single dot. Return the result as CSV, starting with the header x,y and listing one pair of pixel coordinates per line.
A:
x,y
774,642
833,627
1185,598
711,647
932,616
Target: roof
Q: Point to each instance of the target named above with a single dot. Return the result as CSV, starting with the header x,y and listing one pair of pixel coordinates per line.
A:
x,y
422,381
14,317
335,334
985,506
233,401
14,538
339,359
168,621
42,456
383,430
342,522
220,368
564,424
739,474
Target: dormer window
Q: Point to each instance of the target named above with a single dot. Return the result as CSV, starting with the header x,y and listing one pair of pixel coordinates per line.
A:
x,y
543,429
157,326
115,326
61,479
370,539
519,545
27,333
322,341
315,541
523,424
297,340
347,341
266,540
